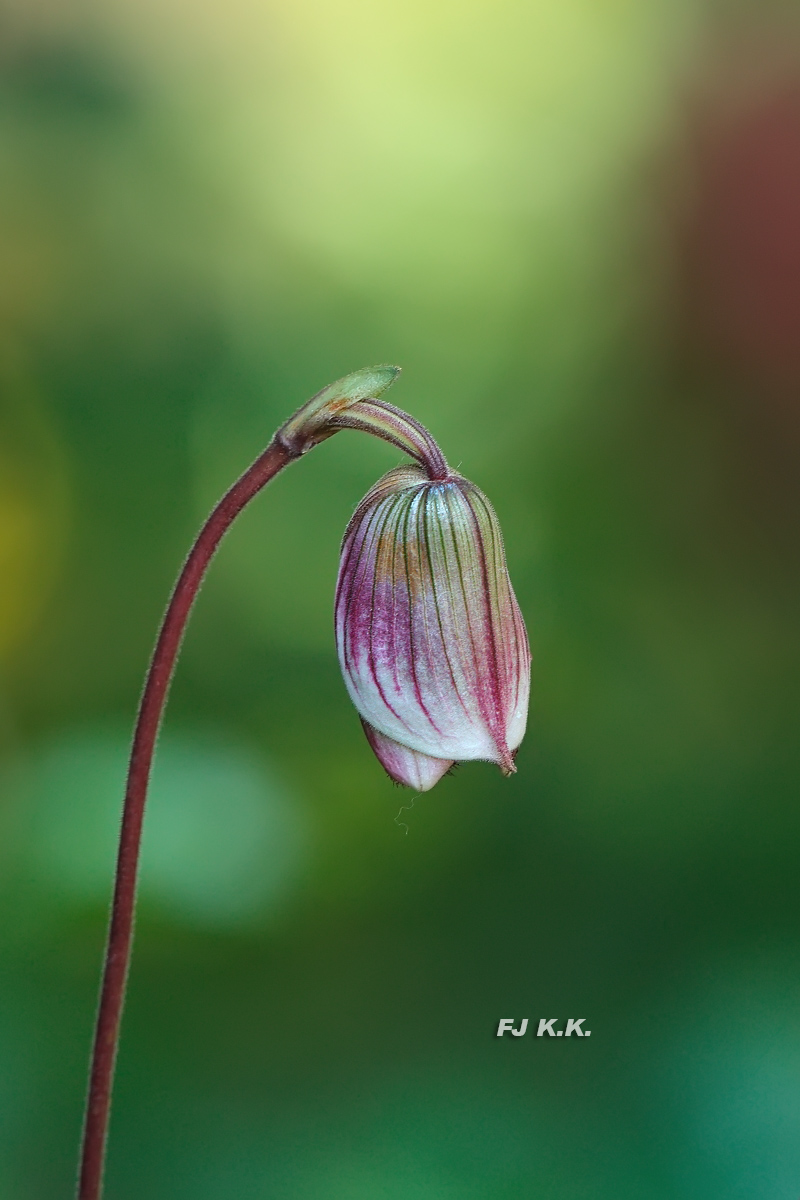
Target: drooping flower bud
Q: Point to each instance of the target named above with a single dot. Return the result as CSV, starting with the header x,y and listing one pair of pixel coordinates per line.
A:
x,y
430,638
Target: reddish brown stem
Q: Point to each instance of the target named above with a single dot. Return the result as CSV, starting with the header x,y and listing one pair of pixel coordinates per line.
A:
x,y
162,665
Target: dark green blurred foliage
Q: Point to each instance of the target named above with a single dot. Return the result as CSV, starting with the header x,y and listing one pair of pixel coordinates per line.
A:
x,y
198,229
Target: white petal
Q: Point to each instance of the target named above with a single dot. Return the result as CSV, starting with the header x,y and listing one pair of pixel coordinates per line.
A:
x,y
406,766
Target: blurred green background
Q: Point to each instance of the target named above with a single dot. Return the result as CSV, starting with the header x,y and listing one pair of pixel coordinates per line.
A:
x,y
576,226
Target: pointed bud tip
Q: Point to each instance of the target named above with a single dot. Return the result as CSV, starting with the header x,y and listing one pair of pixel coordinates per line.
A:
x,y
506,761
407,767
310,423
367,384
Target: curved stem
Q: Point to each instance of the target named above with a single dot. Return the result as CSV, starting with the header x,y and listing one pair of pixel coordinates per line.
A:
x,y
118,948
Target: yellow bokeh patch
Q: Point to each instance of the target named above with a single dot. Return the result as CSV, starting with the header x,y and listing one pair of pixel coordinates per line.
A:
x,y
34,506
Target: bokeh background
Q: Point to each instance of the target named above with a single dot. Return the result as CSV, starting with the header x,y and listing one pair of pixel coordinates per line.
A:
x,y
576,226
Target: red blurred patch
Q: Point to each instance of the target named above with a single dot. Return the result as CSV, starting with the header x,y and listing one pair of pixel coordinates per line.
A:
x,y
741,274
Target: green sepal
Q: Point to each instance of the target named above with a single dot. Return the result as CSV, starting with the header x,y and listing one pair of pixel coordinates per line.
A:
x,y
309,424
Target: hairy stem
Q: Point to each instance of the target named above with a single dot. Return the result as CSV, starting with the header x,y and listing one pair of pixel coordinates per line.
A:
x,y
118,948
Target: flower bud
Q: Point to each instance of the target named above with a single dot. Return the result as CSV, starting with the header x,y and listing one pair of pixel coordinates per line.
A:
x,y
430,638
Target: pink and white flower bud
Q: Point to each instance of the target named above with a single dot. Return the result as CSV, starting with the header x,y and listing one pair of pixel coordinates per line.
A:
x,y
406,766
430,638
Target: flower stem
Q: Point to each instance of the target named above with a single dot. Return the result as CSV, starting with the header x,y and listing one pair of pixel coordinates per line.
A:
x,y
118,949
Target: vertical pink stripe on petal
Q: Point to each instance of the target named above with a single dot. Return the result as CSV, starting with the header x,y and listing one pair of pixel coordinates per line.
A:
x,y
431,641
